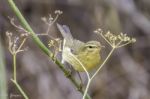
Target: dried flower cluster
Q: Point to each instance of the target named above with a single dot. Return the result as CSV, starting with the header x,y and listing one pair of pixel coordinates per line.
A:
x,y
16,42
20,29
116,41
56,45
50,19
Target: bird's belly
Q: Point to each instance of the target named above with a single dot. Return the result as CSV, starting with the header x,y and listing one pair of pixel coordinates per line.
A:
x,y
88,62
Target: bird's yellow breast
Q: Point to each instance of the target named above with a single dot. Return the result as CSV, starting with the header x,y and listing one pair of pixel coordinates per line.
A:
x,y
88,59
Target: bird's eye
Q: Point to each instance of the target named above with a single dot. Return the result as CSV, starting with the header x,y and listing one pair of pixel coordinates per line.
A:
x,y
90,46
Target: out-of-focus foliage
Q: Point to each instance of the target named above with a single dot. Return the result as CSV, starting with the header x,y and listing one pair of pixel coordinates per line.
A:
x,y
125,76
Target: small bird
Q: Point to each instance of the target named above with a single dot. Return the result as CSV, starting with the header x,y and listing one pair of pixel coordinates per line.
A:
x,y
78,53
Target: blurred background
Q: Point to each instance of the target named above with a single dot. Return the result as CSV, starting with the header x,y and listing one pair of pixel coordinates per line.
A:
x,y
125,76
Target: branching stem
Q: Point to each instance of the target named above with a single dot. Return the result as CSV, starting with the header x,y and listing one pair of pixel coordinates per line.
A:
x,y
14,80
39,43
20,89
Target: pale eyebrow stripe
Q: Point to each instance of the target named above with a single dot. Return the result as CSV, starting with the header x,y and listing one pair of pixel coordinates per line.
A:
x,y
91,45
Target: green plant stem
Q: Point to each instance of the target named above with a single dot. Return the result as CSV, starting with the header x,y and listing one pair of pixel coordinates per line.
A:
x,y
3,82
39,43
20,89
14,67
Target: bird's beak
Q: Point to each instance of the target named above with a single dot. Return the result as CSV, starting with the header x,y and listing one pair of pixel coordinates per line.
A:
x,y
101,46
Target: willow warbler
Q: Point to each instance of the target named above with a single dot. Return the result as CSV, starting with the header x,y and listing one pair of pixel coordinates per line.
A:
x,y
74,51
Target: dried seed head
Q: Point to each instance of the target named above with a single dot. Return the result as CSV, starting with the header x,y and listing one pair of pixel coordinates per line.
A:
x,y
133,40
8,34
44,19
58,12
116,40
50,18
24,35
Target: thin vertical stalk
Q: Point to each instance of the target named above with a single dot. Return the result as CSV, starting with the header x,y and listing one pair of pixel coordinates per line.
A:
x,y
110,53
86,89
14,67
14,80
91,78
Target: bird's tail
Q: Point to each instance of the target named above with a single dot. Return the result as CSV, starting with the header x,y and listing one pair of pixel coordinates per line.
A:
x,y
65,31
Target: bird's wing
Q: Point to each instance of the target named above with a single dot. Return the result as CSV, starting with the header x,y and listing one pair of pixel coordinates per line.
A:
x,y
77,45
74,44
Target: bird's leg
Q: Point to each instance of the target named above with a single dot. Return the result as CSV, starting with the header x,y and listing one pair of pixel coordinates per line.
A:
x,y
69,70
81,82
